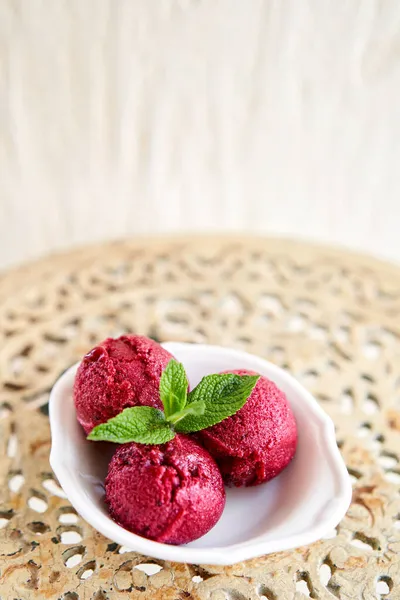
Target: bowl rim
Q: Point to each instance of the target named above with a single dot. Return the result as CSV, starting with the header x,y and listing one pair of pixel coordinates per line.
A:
x,y
219,555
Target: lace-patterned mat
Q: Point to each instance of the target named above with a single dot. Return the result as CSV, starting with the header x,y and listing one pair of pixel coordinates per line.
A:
x,y
330,317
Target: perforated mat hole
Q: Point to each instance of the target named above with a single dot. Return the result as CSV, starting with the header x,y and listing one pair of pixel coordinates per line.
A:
x,y
38,401
368,377
296,324
67,515
49,349
16,481
371,405
393,476
372,350
124,549
113,547
73,561
70,330
12,446
331,365
148,568
51,486
87,570
377,441
13,386
265,593
302,587
276,354
364,430
326,571
5,410
303,584
318,332
362,541
232,305
342,334
305,304
17,365
73,556
270,303
310,378
3,522
384,585
347,401
70,537
68,518
70,534
38,527
387,460
100,595
37,502
354,475
323,397
5,517
197,579
87,573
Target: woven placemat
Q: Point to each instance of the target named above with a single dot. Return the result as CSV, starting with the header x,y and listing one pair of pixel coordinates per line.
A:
x,y
330,317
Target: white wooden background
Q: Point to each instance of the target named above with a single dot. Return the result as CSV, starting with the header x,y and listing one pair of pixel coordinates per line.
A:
x,y
125,117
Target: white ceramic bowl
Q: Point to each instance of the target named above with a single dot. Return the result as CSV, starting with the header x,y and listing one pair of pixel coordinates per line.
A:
x,y
298,507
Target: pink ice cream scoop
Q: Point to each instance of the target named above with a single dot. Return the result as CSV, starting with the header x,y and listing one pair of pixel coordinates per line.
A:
x,y
116,374
256,443
171,493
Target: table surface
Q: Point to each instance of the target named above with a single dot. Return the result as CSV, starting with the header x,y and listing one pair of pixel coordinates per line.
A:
x,y
330,317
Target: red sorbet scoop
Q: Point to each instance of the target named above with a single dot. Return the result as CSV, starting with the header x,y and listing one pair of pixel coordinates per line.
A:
x,y
116,374
171,493
256,443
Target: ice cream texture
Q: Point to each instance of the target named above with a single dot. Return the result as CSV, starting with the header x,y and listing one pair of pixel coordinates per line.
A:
x,y
117,374
256,443
171,493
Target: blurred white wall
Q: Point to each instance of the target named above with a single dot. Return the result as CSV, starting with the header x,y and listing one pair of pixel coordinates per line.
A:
x,y
120,117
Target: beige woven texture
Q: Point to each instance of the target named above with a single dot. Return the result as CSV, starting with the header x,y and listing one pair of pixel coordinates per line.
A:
x,y
331,318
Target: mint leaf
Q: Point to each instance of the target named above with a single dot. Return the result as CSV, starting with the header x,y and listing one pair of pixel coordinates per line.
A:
x,y
195,408
173,388
142,424
222,394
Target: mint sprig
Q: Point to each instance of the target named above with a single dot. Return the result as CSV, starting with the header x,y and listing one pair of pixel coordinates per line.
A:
x,y
173,388
222,395
194,409
214,399
142,424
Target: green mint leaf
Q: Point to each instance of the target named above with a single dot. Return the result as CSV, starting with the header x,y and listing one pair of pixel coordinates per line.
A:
x,y
173,388
142,424
223,395
195,408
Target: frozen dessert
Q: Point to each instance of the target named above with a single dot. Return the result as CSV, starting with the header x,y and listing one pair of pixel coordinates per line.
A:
x,y
256,443
171,493
116,374
176,450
